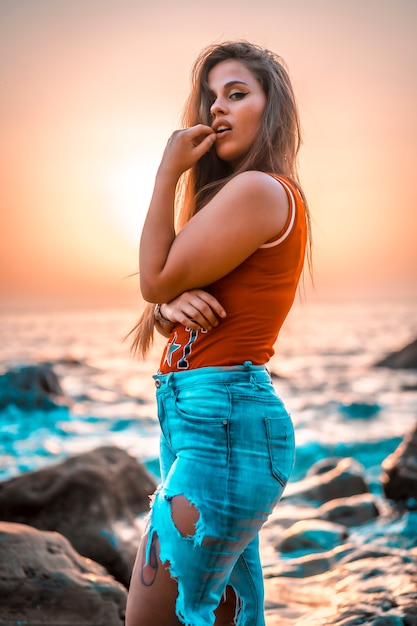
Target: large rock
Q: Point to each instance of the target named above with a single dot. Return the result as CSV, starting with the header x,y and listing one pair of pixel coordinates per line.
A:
x,y
93,499
43,581
340,478
308,564
406,358
31,387
352,511
399,477
311,536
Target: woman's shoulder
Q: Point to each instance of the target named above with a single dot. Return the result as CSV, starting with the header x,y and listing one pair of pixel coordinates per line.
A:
x,y
256,177
264,186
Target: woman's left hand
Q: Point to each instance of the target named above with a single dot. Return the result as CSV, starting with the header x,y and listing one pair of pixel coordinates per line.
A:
x,y
197,309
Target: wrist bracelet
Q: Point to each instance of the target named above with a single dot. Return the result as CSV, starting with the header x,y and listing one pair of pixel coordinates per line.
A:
x,y
159,317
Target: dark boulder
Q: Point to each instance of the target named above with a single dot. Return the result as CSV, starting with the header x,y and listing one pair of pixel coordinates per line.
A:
x,y
93,499
309,564
335,478
399,477
31,387
307,536
353,511
406,358
43,581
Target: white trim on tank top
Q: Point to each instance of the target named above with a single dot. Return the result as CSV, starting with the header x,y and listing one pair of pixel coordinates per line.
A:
x,y
292,220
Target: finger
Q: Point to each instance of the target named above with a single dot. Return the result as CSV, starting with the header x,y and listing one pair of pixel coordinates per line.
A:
x,y
203,145
197,323
203,319
205,316
182,311
201,129
212,302
202,313
200,132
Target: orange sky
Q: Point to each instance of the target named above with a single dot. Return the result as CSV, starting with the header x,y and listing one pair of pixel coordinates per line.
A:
x,y
91,89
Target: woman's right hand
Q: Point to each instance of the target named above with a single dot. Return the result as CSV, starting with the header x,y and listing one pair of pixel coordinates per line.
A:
x,y
196,309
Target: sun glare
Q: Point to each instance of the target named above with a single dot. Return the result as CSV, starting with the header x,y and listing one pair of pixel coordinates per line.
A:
x,y
128,188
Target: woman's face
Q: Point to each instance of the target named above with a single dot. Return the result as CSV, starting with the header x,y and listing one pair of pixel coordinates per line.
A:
x,y
238,104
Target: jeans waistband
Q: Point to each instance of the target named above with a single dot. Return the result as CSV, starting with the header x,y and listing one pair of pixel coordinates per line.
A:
x,y
218,374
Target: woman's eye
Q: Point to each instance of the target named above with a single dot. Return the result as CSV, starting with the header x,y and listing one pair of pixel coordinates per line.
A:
x,y
238,95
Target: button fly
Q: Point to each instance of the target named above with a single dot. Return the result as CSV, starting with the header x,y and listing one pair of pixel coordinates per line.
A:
x,y
158,383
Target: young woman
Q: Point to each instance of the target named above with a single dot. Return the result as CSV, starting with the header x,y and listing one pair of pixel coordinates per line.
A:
x,y
221,286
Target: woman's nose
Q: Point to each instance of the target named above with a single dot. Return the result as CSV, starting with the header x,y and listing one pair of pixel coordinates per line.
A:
x,y
218,108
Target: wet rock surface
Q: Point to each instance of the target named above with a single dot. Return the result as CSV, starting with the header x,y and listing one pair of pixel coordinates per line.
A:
x,y
352,511
341,477
358,590
311,535
43,581
350,560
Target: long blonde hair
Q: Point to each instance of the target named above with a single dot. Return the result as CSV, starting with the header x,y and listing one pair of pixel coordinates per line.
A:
x,y
275,149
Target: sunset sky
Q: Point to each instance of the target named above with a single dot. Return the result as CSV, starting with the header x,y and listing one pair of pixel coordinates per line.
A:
x,y
90,90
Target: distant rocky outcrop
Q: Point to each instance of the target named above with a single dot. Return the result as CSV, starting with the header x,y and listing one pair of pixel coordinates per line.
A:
x,y
31,387
43,581
406,358
93,499
399,477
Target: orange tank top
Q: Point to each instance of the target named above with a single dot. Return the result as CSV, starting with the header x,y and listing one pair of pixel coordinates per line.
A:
x,y
257,296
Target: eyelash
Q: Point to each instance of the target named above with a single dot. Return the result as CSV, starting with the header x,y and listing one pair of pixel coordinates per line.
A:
x,y
240,95
237,95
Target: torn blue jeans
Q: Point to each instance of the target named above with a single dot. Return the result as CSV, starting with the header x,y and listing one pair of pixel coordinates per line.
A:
x,y
227,446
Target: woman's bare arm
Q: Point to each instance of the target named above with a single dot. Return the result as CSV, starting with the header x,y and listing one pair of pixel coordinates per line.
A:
x,y
249,210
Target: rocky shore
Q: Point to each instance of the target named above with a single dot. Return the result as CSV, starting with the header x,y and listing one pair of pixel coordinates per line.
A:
x,y
352,559
334,551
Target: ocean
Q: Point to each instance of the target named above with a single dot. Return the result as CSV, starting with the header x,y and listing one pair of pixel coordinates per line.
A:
x,y
323,368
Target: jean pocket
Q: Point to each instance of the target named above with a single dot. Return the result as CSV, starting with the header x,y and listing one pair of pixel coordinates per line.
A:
x,y
202,431
281,447
203,404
